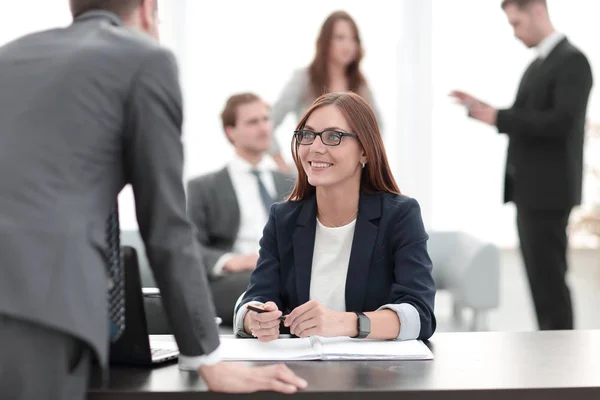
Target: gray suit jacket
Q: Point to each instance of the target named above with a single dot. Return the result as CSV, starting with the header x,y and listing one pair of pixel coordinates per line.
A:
x,y
84,111
214,210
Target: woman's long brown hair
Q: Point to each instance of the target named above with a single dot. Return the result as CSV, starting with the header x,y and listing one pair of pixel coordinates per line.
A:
x,y
376,176
318,69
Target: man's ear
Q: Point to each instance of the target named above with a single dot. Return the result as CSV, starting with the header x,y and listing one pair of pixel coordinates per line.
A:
x,y
537,8
149,16
230,133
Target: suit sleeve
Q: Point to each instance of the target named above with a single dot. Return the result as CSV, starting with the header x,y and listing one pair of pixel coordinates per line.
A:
x,y
570,93
154,166
198,215
413,283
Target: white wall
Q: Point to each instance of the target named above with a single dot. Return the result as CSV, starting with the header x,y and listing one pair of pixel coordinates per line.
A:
x,y
416,52
238,45
18,18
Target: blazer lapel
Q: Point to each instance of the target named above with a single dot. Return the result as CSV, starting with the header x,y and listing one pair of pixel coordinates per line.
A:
x,y
228,201
550,59
363,244
535,72
304,244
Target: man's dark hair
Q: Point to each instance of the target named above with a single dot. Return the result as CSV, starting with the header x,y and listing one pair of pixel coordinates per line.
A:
x,y
229,114
123,8
521,4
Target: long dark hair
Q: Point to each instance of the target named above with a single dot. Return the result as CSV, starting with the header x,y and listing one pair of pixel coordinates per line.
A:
x,y
377,175
318,69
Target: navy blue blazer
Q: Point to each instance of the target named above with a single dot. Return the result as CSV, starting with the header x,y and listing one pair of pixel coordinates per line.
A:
x,y
389,263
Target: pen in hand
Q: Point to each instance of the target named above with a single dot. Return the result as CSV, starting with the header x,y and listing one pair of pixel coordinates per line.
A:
x,y
260,310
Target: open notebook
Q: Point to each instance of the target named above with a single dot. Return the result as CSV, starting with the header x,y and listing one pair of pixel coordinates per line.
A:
x,y
320,348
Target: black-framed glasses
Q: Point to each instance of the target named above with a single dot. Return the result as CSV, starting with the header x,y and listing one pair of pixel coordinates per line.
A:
x,y
328,137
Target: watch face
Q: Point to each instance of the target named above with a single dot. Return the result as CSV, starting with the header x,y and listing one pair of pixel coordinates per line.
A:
x,y
367,324
364,326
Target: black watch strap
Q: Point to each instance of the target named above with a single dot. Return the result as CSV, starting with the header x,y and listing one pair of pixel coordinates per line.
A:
x,y
363,325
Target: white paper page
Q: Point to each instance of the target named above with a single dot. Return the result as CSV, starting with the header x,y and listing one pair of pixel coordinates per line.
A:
x,y
236,349
359,349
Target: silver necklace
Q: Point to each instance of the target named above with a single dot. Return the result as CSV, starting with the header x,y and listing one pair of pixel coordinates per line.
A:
x,y
330,225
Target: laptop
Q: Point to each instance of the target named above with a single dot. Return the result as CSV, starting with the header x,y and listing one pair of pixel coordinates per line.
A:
x,y
133,346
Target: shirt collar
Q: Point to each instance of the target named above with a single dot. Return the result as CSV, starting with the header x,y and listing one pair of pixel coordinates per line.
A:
x,y
545,47
100,14
240,165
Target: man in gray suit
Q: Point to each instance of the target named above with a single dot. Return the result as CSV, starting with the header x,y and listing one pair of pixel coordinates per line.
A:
x,y
230,207
84,111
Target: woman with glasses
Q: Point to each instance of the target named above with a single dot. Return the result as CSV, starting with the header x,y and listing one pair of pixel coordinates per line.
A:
x,y
335,68
346,255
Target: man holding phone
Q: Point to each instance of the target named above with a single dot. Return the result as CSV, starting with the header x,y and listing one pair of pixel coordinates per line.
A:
x,y
545,127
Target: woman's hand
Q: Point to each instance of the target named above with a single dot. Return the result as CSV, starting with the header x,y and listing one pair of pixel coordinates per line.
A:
x,y
263,326
313,319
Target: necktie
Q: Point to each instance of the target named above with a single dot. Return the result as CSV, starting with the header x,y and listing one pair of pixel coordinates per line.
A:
x,y
266,198
116,277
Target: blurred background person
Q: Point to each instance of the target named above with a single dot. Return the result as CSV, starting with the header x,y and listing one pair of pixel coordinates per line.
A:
x,y
335,68
543,177
230,207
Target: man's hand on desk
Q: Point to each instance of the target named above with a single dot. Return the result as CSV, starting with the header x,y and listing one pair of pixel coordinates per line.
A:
x,y
314,319
477,109
229,377
238,263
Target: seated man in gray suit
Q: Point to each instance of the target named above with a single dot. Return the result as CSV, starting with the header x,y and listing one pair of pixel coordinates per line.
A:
x,y
230,207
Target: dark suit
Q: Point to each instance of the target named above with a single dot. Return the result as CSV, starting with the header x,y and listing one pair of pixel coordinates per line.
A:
x,y
389,263
214,209
85,110
544,166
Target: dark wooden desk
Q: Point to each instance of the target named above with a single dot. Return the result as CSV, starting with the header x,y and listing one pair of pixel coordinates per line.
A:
x,y
467,366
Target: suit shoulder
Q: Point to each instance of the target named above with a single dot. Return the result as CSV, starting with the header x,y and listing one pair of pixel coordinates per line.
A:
x,y
399,203
572,49
127,49
403,214
572,53
205,181
130,42
574,61
398,200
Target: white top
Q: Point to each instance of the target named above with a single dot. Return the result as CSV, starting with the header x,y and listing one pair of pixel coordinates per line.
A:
x,y
549,43
331,258
253,216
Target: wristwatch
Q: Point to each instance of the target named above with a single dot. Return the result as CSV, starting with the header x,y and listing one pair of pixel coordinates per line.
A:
x,y
364,325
